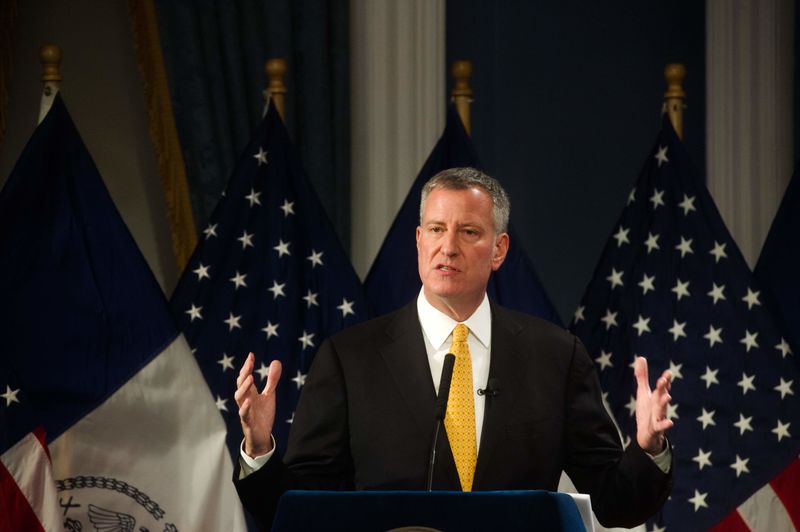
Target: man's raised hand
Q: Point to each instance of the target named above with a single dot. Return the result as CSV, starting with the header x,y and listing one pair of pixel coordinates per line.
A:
x,y
257,410
651,408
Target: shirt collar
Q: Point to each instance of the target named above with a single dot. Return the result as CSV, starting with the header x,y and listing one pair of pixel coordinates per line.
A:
x,y
438,326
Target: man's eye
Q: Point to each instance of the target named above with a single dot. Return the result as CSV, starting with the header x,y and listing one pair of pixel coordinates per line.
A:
x,y
436,229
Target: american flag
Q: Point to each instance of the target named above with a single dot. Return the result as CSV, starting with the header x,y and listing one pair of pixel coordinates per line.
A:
x,y
268,276
672,286
393,280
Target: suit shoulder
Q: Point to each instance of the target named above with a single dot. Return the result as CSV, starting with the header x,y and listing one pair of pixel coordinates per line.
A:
x,y
529,326
376,328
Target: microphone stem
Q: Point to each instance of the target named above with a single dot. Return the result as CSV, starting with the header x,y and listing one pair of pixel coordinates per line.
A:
x,y
432,461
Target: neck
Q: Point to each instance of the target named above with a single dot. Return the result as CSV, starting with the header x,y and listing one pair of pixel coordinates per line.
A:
x,y
460,310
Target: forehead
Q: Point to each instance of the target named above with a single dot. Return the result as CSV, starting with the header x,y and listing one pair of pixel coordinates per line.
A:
x,y
470,205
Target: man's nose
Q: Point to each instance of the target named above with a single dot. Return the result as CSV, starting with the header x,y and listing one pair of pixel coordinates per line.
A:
x,y
449,244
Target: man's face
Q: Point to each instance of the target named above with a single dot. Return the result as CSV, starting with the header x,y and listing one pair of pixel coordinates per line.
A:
x,y
457,248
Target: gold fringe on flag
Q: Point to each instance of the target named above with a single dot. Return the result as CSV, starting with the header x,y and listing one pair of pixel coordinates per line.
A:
x,y
9,13
163,133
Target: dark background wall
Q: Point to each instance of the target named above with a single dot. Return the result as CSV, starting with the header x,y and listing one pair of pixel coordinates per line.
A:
x,y
567,100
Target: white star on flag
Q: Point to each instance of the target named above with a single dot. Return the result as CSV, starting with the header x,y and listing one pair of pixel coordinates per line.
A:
x,y
685,247
677,330
675,369
253,197
315,258
699,499
220,402
306,339
261,156
744,424
642,325
311,299
604,360
740,466
718,251
346,307
716,292
282,248
233,321
615,278
201,272
749,340
784,388
710,377
621,236
226,362
687,204
657,198
287,208
661,156
746,384
263,371
194,313
751,298
610,319
299,379
703,459
713,335
210,231
246,239
647,283
238,280
781,430
271,329
652,242
681,289
10,395
706,418
277,289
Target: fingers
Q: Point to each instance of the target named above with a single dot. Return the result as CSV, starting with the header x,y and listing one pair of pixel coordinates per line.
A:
x,y
247,368
273,377
245,387
640,371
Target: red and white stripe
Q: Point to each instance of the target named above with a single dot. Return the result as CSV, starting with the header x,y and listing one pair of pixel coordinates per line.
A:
x,y
28,498
775,507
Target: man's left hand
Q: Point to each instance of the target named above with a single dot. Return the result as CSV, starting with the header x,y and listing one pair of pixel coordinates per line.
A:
x,y
651,408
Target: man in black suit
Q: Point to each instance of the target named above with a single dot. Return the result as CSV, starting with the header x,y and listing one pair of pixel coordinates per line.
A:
x,y
365,419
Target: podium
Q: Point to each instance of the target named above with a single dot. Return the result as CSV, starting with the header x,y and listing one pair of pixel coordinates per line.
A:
x,y
421,510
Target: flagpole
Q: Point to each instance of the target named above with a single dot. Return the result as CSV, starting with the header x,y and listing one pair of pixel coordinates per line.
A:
x,y
276,87
462,92
50,57
675,97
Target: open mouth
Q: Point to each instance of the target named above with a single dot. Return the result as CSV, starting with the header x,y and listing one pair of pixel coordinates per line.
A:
x,y
446,268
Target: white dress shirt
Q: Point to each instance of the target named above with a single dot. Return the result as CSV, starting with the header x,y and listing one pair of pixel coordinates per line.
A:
x,y
437,330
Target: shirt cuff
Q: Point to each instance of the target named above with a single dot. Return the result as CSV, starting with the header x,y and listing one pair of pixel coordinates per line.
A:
x,y
663,459
248,465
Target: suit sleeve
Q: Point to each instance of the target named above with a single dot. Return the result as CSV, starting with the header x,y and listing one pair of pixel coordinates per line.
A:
x,y
626,487
317,455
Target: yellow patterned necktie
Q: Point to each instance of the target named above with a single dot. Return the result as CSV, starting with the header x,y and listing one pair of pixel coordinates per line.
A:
x,y
460,416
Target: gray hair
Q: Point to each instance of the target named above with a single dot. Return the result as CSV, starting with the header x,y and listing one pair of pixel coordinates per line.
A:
x,y
466,178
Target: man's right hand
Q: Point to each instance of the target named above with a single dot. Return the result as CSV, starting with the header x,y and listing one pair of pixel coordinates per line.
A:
x,y
257,410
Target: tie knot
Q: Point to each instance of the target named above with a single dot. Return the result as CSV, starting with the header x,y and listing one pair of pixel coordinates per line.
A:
x,y
460,333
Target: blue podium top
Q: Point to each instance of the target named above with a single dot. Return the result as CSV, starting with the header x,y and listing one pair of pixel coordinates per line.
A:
x,y
439,510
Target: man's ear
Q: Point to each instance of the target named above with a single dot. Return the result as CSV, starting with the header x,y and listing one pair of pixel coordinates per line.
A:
x,y
500,250
419,232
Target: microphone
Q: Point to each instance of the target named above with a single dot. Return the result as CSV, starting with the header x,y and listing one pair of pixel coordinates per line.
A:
x,y
492,388
440,409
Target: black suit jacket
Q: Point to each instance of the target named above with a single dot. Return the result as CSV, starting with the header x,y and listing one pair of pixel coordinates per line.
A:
x,y
365,420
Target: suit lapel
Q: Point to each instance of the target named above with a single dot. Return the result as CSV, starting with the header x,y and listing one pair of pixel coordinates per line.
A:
x,y
505,366
407,360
